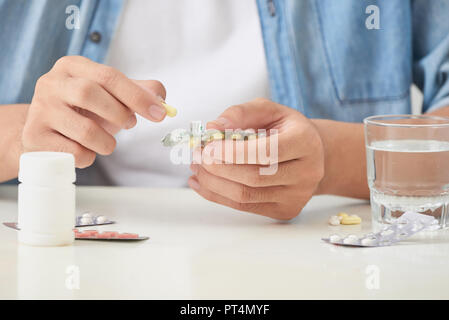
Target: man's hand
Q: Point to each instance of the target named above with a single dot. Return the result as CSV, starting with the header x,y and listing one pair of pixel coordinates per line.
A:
x,y
79,105
281,195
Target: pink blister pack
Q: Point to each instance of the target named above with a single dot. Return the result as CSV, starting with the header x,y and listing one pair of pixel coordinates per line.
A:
x,y
89,220
107,235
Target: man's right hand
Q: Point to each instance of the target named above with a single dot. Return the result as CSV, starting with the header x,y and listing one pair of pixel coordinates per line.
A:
x,y
79,105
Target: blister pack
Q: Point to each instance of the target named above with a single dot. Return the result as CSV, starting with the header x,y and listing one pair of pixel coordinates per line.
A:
x,y
199,136
88,219
107,235
405,226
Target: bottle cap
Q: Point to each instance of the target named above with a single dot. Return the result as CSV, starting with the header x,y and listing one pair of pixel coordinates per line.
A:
x,y
47,168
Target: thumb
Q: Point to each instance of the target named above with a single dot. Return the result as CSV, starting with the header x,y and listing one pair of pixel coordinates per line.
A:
x,y
154,86
256,114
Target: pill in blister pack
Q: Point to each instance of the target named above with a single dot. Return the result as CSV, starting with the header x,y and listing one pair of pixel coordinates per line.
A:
x,y
95,234
405,226
198,136
88,219
106,235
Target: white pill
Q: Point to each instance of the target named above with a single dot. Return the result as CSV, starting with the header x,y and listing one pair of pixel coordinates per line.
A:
x,y
386,233
87,215
369,242
85,221
351,239
334,221
334,238
101,219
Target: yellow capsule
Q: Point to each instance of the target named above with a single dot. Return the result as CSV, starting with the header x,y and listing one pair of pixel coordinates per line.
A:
x,y
252,137
353,219
236,136
194,142
171,112
217,136
342,214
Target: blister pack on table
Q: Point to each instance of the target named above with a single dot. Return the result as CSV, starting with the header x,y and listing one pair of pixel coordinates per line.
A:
x,y
88,219
407,225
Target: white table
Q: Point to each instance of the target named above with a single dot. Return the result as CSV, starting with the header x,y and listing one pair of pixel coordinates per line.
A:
x,y
199,250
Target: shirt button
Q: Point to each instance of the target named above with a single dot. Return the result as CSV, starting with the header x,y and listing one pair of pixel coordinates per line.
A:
x,y
95,37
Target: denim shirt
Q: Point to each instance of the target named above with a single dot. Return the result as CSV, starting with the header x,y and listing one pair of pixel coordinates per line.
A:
x,y
322,58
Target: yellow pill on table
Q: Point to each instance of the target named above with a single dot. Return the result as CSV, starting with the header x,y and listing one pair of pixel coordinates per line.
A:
x,y
342,214
171,112
353,219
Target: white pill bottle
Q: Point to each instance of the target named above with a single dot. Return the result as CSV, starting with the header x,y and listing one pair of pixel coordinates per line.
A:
x,y
46,199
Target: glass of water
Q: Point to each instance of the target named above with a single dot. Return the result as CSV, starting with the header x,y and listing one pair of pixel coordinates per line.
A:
x,y
408,166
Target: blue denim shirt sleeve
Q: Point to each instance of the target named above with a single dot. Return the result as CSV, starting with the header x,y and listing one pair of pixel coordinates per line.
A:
x,y
34,35
324,62
321,59
431,51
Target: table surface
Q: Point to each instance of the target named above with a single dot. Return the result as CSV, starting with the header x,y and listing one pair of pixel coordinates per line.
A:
x,y
200,250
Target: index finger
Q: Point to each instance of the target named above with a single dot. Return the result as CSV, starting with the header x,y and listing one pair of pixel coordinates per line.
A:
x,y
146,102
273,148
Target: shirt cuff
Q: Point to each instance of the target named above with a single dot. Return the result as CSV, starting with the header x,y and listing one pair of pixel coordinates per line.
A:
x,y
442,103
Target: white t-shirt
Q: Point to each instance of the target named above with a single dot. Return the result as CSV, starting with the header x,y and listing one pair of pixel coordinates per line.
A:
x,y
208,54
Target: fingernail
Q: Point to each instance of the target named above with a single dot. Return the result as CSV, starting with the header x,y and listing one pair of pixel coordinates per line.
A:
x,y
193,183
131,122
223,122
194,168
156,112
